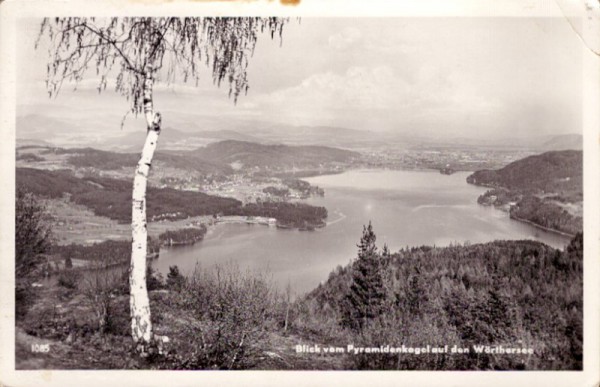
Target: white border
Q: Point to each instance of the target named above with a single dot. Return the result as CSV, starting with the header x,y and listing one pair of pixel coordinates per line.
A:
x,y
12,10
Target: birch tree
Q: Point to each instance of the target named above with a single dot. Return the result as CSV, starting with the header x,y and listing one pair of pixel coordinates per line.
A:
x,y
135,53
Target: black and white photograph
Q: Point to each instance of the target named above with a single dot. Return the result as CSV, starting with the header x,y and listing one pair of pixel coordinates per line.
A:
x,y
221,192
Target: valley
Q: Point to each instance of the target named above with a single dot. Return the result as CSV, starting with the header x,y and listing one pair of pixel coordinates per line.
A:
x,y
229,173
240,211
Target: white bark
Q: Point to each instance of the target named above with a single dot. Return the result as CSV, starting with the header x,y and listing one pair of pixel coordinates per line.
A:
x,y
141,325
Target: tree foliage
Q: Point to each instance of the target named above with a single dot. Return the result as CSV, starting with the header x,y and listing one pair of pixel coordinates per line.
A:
x,y
32,233
131,47
556,171
542,188
32,239
521,294
366,296
136,52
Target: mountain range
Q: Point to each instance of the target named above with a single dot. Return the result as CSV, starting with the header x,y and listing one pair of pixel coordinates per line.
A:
x,y
185,132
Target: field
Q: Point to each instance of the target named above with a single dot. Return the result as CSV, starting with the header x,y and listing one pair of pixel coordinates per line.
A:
x,y
76,224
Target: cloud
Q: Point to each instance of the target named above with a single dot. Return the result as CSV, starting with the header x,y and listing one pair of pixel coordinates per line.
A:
x,y
367,94
359,87
344,39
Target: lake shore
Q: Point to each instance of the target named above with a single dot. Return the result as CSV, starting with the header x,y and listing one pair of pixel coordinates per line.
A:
x,y
547,229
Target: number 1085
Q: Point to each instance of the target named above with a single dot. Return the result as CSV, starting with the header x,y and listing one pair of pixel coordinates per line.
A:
x,y
40,348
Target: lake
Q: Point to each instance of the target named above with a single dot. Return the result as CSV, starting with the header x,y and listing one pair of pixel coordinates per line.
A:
x,y
406,208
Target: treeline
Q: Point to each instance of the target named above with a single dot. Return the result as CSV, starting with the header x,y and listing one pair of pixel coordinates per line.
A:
x,y
184,236
303,187
543,212
546,214
521,294
288,215
112,198
29,157
108,252
113,252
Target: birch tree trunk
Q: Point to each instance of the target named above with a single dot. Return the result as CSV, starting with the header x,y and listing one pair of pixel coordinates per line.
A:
x,y
141,325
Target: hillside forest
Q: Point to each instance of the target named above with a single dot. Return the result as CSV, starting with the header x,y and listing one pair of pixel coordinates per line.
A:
x,y
545,189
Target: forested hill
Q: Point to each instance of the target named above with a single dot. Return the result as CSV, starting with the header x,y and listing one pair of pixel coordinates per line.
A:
x,y
555,171
546,190
105,160
260,155
112,198
520,294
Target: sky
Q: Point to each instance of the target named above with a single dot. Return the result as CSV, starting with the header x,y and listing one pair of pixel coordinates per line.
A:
x,y
441,77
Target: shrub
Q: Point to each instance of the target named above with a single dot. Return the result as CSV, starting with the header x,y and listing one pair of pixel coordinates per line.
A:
x,y
233,314
32,239
25,297
154,280
175,280
100,287
69,279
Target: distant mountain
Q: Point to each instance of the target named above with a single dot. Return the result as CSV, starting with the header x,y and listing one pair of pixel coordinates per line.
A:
x,y
564,142
173,139
105,160
572,141
61,132
554,171
251,154
34,124
215,158
189,130
32,142
321,135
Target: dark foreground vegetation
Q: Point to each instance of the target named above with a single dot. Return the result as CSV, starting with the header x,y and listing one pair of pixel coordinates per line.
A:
x,y
512,293
539,189
112,198
520,294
